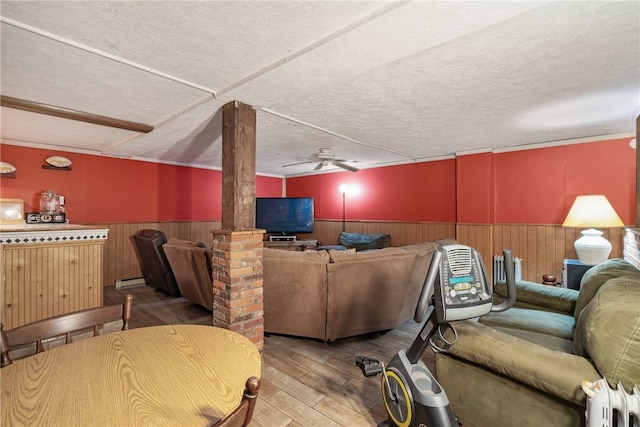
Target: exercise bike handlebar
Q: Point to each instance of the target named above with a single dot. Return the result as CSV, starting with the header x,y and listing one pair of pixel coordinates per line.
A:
x,y
509,269
427,290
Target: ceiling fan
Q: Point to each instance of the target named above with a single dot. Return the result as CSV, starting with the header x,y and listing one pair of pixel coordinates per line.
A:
x,y
325,157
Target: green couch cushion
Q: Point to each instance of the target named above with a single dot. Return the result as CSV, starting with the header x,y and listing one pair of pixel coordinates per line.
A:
x,y
555,372
598,275
543,322
539,297
549,341
608,331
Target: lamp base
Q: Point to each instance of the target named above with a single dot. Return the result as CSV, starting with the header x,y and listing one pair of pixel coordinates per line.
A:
x,y
592,248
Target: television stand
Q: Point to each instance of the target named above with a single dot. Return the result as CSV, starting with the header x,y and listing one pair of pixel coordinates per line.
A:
x,y
292,245
282,238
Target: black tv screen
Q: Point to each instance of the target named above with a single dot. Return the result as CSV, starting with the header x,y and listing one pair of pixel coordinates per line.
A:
x,y
285,215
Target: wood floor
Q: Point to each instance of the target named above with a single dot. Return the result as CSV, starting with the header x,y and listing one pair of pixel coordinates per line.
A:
x,y
304,382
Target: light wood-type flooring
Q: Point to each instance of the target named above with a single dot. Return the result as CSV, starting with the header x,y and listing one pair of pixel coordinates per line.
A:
x,y
304,382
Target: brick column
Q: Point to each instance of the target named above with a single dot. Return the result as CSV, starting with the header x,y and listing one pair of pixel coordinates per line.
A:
x,y
237,283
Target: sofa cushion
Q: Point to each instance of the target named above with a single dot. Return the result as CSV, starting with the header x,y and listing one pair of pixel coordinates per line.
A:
x,y
556,372
608,331
192,268
544,322
548,341
295,292
371,291
539,297
181,242
362,241
598,275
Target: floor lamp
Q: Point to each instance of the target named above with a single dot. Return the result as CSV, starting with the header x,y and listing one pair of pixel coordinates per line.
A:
x,y
343,190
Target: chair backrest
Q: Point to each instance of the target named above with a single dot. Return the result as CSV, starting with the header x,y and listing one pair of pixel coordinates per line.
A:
x,y
191,266
155,266
243,413
63,325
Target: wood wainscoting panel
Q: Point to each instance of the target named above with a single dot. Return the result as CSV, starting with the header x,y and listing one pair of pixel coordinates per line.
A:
x,y
48,279
543,248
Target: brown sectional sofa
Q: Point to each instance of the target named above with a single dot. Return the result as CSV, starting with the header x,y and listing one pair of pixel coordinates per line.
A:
x,y
336,294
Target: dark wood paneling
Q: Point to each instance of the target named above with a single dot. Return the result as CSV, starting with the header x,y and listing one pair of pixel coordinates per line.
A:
x,y
542,248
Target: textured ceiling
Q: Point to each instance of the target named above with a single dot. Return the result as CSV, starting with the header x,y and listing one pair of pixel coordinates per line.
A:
x,y
380,82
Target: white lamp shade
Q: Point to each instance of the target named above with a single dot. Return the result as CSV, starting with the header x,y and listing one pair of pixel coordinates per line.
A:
x,y
592,211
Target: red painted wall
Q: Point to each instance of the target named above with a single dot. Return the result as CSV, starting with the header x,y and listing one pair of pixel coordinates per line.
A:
x,y
531,186
539,186
475,193
534,186
104,189
415,192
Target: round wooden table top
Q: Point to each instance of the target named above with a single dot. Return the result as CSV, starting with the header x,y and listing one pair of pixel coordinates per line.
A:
x,y
158,376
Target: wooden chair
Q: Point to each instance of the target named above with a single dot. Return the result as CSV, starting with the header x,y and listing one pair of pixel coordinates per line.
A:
x,y
243,413
63,325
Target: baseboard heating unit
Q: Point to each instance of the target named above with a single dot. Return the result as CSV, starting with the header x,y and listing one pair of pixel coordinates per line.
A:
x,y
607,407
129,283
498,269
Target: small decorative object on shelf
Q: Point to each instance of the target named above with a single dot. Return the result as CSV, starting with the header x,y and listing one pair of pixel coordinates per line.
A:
x,y
549,279
11,211
7,170
57,163
51,209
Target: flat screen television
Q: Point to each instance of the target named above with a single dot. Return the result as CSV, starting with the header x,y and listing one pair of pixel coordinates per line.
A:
x,y
285,215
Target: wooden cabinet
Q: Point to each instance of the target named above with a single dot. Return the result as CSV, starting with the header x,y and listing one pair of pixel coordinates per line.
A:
x,y
47,270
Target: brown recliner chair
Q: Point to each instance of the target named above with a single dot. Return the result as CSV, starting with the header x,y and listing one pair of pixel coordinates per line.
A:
x,y
155,266
191,266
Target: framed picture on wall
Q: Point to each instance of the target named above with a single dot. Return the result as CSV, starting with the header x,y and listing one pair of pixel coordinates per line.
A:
x,y
11,211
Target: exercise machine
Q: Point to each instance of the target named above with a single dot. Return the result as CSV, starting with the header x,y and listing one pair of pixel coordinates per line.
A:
x,y
456,288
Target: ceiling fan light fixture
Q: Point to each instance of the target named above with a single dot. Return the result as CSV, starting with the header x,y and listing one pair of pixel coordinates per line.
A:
x,y
325,157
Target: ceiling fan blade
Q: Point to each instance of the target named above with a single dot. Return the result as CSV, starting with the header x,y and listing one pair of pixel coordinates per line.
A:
x,y
346,161
299,163
318,166
346,166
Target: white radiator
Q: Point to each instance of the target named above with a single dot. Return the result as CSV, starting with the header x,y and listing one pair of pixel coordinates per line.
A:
x,y
607,407
498,269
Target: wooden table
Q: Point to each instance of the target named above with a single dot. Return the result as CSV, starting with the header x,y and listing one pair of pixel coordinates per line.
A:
x,y
157,376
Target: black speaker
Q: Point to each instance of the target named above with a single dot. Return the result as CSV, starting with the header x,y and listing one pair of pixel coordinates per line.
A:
x,y
36,218
33,218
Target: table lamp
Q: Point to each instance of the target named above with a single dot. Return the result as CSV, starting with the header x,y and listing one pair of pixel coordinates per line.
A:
x,y
592,211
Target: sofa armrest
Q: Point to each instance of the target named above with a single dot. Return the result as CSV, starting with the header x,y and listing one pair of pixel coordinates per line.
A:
x,y
554,372
539,297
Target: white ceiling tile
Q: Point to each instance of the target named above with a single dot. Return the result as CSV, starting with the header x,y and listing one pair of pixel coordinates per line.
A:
x,y
380,82
33,128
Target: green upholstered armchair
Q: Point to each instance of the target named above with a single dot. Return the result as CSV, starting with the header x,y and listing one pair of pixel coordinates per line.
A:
x,y
525,366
